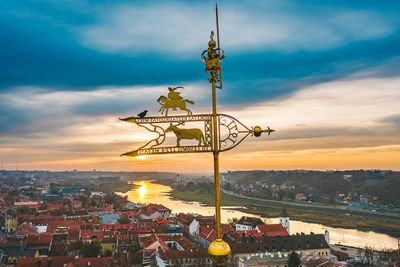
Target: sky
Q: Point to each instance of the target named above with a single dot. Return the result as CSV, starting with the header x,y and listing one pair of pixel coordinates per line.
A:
x,y
324,74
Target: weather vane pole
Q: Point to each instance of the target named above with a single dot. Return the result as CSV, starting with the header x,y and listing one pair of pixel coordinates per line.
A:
x,y
208,139
219,250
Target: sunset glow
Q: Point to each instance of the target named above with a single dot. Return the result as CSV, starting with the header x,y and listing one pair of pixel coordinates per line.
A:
x,y
332,96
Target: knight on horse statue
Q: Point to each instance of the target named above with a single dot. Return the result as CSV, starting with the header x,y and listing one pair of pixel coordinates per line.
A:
x,y
174,100
174,95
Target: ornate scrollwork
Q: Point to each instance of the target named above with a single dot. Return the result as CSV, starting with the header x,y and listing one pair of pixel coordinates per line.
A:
x,y
212,57
235,131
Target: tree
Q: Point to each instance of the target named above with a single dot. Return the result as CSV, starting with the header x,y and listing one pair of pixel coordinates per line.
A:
x,y
107,253
294,260
281,194
44,206
14,192
76,247
58,250
93,203
228,187
190,186
232,222
123,219
117,205
91,249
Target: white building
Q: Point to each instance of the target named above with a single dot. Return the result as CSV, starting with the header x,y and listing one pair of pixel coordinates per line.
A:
x,y
284,220
100,194
248,223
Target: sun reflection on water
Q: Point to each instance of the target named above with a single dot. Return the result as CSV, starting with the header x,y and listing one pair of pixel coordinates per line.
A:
x,y
142,191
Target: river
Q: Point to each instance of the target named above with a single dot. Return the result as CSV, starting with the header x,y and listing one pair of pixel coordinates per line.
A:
x,y
148,192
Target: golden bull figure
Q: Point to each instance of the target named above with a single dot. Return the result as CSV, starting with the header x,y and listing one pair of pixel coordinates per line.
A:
x,y
190,134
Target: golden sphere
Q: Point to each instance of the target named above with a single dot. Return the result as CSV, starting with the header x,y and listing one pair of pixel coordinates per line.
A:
x,y
257,131
212,44
219,252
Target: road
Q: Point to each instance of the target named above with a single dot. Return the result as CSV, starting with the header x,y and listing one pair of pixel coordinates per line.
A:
x,y
299,204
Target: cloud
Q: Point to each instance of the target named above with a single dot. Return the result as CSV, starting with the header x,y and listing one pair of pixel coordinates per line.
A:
x,y
181,29
346,114
275,47
393,121
324,76
350,115
39,111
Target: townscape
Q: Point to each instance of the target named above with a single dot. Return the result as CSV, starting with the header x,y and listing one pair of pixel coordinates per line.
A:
x,y
43,225
188,133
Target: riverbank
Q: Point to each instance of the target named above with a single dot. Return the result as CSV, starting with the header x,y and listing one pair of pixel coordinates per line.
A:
x,y
334,218
111,187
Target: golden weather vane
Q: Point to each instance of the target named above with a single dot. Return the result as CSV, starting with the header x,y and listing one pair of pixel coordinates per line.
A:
x,y
208,139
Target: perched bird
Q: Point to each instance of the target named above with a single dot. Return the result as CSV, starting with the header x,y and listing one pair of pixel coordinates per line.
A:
x,y
142,114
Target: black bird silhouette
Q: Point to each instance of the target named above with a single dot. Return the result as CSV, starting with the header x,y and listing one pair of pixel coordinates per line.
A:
x,y
142,114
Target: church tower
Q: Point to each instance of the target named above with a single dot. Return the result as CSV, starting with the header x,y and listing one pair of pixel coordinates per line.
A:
x,y
284,220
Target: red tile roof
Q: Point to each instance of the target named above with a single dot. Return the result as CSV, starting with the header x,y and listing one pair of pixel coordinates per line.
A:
x,y
148,211
58,261
185,218
129,212
147,241
47,220
272,229
131,227
252,244
248,233
250,221
87,235
10,241
209,233
158,207
182,241
203,220
73,234
93,262
38,241
26,230
161,220
176,254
